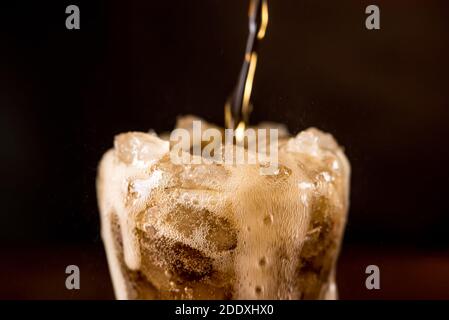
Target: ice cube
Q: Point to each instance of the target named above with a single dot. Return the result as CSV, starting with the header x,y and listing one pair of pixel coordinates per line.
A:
x,y
209,231
140,149
162,256
313,142
183,216
194,176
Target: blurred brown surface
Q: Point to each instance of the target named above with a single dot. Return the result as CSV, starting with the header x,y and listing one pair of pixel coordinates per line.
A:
x,y
405,274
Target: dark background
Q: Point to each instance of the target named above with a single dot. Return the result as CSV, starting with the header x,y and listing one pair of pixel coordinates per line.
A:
x,y
137,65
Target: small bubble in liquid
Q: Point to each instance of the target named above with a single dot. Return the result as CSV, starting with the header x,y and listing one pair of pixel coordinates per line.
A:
x,y
262,261
188,290
168,273
258,290
268,219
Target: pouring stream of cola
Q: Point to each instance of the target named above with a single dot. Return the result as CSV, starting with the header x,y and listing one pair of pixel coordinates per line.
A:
x,y
237,107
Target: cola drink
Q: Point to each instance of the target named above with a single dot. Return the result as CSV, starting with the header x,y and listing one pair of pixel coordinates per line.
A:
x,y
214,230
